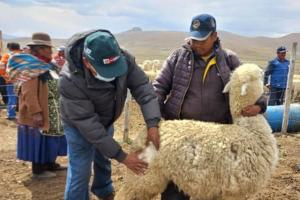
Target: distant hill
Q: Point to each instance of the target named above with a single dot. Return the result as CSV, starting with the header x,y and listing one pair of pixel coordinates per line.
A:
x,y
159,44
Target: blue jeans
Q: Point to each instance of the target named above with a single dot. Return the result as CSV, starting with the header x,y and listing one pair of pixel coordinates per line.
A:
x,y
12,101
81,155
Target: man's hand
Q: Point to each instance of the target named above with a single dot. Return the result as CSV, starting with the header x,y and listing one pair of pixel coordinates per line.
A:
x,y
153,136
251,110
37,119
133,163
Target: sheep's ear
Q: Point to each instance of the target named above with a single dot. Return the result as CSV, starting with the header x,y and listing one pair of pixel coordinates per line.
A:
x,y
227,87
244,89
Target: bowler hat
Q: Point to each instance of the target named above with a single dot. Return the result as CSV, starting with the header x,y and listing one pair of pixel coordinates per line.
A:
x,y
40,39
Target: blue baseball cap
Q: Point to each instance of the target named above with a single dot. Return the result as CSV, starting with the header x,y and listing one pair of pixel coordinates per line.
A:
x,y
103,52
202,26
281,49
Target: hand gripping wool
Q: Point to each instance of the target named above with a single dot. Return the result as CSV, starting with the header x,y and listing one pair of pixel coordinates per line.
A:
x,y
210,161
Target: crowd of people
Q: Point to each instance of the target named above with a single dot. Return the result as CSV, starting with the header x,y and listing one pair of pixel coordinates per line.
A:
x,y
40,137
76,113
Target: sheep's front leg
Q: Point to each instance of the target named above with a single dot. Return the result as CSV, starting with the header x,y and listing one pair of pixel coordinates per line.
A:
x,y
143,187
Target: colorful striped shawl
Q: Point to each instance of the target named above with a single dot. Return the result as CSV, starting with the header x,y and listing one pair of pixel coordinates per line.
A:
x,y
24,67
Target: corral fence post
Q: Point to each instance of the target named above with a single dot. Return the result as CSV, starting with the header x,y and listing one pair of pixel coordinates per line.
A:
x,y
288,91
126,117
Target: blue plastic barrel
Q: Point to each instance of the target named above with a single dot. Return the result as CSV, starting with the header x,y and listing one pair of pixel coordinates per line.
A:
x,y
274,116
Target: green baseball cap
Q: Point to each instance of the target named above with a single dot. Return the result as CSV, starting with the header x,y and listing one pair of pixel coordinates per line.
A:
x,y
103,52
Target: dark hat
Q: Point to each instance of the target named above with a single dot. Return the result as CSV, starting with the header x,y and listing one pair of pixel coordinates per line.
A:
x,y
281,49
202,26
13,46
104,53
40,39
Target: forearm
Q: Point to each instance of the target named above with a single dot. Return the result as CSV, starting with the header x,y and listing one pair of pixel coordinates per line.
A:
x,y
262,102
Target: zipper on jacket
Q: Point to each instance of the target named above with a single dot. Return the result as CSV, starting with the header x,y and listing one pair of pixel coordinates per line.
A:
x,y
188,86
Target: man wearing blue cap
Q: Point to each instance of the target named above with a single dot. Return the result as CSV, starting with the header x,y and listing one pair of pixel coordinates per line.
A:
x,y
93,87
191,82
276,76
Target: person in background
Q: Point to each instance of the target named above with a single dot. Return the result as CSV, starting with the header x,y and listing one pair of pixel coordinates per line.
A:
x,y
12,99
276,75
55,126
2,81
26,50
3,92
191,82
93,88
35,144
59,58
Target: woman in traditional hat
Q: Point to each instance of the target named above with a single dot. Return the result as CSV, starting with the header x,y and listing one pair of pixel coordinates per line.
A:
x,y
36,141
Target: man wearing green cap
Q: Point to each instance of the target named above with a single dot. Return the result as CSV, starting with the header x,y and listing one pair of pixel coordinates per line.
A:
x,y
93,87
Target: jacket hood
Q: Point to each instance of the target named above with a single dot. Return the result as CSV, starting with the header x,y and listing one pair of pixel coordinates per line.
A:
x,y
74,49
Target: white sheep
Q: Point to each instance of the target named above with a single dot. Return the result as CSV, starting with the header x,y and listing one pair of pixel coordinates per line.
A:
x,y
147,65
210,161
156,65
151,68
151,74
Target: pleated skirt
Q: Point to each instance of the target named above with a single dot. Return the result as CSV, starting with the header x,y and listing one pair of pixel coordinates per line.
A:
x,y
38,148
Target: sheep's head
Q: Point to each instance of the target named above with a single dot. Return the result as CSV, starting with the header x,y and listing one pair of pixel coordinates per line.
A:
x,y
245,87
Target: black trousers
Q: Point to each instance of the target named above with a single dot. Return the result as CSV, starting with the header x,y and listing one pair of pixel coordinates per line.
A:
x,y
172,193
276,96
3,90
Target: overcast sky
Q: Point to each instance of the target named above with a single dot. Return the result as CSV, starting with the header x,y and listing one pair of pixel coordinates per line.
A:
x,y
61,19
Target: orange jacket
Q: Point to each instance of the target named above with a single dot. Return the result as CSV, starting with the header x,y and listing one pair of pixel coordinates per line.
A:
x,y
3,64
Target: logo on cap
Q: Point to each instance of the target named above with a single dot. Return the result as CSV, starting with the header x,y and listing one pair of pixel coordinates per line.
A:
x,y
110,60
87,51
196,24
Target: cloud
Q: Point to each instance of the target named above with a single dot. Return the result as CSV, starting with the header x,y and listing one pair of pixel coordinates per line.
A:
x,y
64,18
26,20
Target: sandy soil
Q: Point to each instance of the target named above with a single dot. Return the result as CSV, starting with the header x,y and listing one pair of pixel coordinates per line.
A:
x,y
16,182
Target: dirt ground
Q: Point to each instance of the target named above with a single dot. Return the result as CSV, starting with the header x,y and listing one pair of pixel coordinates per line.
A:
x,y
16,182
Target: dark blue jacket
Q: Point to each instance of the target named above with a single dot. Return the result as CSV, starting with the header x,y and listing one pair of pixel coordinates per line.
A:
x,y
278,72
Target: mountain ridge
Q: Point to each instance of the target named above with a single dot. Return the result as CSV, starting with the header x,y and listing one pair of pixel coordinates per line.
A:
x,y
159,44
